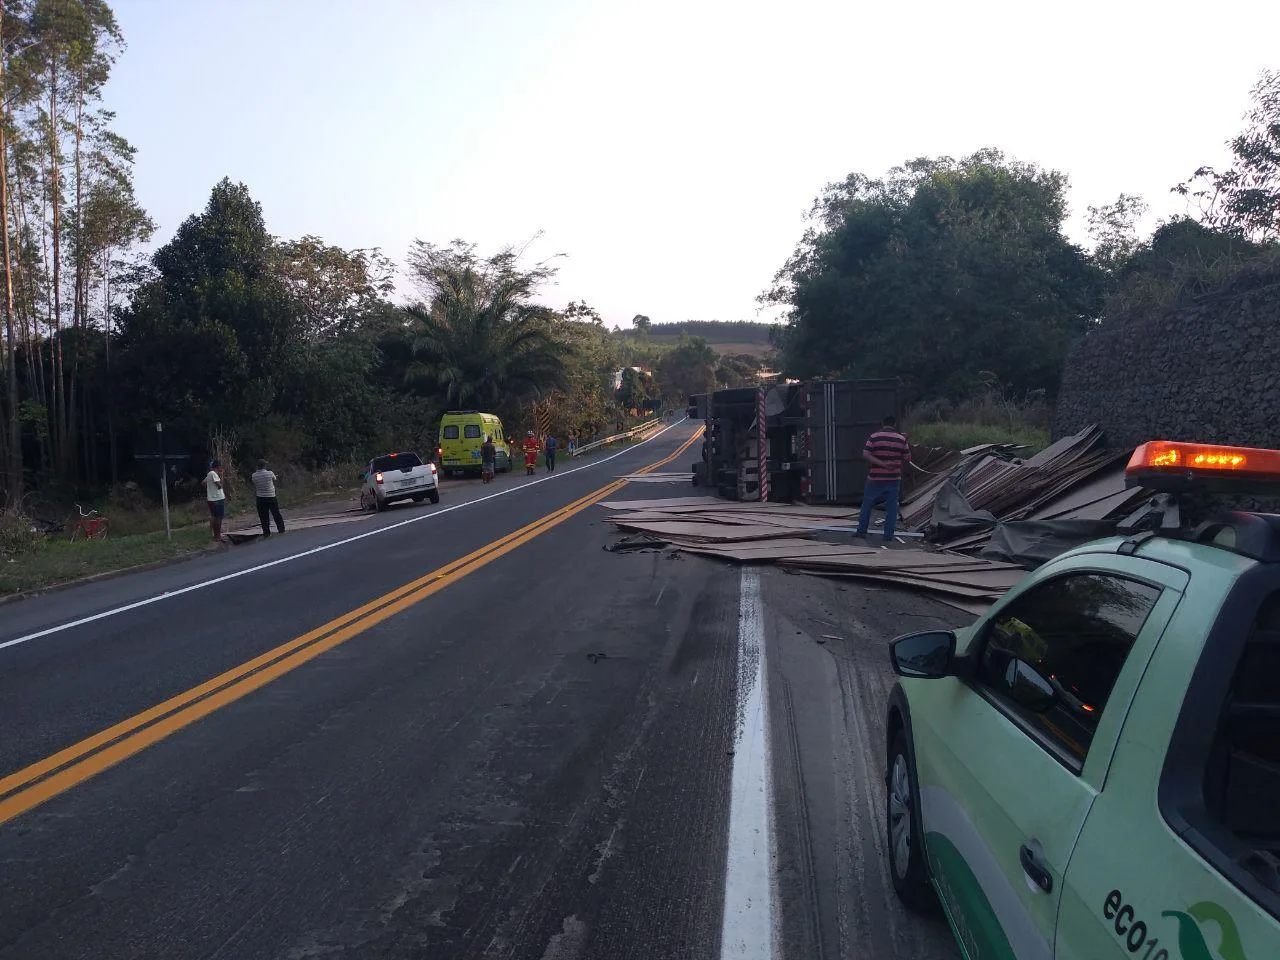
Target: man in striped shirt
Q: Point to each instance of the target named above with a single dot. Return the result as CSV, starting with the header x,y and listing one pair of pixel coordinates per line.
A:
x,y
886,450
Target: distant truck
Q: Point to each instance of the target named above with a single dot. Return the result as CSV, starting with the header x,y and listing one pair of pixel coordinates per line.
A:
x,y
814,432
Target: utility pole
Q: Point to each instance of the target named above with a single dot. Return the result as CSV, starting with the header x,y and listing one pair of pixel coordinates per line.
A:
x,y
164,481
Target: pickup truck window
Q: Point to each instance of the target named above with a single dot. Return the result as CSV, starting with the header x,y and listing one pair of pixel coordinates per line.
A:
x,y
397,461
451,432
471,431
1051,657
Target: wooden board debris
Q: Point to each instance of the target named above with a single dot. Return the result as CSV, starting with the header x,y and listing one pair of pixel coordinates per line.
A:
x,y
1072,478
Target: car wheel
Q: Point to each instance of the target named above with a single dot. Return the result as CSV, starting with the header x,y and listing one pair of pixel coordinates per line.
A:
x,y
435,496
905,838
378,504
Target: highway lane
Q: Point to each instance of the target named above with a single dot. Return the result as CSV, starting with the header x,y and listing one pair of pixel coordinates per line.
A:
x,y
70,684
537,760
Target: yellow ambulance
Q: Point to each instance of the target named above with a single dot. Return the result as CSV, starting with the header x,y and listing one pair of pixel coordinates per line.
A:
x,y
462,433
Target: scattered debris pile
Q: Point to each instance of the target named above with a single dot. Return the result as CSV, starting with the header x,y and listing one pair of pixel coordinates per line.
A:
x,y
786,536
1024,511
1015,513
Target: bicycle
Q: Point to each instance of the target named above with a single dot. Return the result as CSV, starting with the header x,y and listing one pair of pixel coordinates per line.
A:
x,y
90,526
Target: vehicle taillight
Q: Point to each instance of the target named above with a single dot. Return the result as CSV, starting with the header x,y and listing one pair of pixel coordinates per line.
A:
x,y
433,467
377,477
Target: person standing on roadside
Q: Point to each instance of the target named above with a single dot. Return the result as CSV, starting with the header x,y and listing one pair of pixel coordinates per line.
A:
x,y
488,459
886,450
264,486
530,448
551,454
215,496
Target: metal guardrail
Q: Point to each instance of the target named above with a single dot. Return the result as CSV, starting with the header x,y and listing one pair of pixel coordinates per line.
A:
x,y
629,434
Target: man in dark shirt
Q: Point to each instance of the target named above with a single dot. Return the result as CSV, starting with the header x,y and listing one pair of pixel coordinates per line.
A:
x,y
886,450
488,459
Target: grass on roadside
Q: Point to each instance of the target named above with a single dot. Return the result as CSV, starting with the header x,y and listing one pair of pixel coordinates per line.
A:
x,y
57,560
959,436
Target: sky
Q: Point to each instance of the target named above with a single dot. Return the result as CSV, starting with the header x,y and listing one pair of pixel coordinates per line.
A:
x,y
669,150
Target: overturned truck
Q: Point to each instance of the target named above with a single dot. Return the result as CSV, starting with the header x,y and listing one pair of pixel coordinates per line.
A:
x,y
791,441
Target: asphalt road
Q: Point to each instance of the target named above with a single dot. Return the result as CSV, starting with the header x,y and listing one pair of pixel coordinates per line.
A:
x,y
536,752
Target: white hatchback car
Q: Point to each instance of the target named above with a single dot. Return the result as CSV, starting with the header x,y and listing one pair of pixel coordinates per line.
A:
x,y
398,476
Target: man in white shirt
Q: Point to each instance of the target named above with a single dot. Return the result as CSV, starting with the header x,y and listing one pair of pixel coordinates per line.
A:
x,y
264,486
216,496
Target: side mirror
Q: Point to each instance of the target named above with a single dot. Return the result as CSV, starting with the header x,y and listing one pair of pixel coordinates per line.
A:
x,y
928,655
1028,688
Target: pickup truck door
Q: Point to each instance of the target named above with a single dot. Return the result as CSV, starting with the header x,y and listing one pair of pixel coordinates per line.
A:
x,y
1020,748
1140,887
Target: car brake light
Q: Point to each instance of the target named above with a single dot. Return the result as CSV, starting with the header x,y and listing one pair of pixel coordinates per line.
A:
x,y
432,466
377,477
1172,458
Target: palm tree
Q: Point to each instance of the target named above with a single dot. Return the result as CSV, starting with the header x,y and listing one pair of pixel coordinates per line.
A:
x,y
480,341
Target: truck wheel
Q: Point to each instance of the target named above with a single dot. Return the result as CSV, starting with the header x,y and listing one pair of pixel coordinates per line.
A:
x,y
905,835
379,505
435,496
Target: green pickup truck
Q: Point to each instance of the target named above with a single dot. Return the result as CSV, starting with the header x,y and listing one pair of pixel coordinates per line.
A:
x,y
1092,771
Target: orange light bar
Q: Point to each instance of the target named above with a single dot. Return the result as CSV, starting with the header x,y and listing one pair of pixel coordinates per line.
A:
x,y
1208,460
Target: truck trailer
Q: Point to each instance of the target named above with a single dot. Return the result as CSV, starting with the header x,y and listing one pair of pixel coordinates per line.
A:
x,y
791,441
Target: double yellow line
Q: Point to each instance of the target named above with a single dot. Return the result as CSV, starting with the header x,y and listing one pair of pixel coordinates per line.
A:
x,y
33,785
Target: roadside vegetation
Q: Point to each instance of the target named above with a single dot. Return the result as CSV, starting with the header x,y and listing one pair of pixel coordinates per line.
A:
x,y
29,561
990,417
957,275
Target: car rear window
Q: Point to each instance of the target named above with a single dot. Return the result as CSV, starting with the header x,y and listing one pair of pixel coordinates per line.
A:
x,y
471,431
397,461
451,432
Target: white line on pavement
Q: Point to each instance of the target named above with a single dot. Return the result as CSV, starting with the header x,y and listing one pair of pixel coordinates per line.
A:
x,y
748,927
114,611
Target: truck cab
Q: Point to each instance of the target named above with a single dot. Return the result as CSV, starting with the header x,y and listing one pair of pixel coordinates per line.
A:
x,y
1092,770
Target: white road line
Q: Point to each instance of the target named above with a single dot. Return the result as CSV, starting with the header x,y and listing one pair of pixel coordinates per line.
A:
x,y
748,928
168,595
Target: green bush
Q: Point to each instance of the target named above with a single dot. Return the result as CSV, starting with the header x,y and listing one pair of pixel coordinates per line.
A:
x,y
960,436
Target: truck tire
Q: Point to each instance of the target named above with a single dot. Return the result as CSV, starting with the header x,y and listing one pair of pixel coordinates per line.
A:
x,y
379,505
434,495
908,867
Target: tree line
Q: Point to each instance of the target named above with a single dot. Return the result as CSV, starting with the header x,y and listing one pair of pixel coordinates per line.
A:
x,y
243,344
957,275
66,190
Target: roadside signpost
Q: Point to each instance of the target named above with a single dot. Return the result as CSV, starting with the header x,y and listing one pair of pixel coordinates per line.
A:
x,y
164,473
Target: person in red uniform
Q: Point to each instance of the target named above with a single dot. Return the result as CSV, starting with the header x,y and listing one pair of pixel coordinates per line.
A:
x,y
530,448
